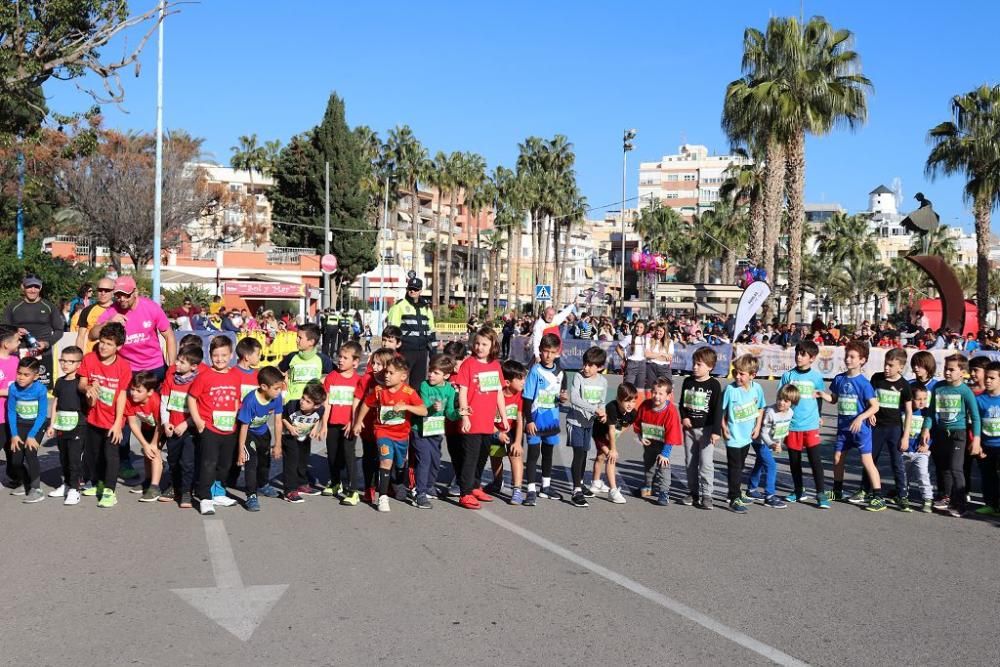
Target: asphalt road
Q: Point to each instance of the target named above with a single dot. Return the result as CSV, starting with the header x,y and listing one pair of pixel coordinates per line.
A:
x,y
634,585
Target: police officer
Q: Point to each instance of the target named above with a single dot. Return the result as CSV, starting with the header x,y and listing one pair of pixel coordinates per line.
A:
x,y
343,329
329,324
414,317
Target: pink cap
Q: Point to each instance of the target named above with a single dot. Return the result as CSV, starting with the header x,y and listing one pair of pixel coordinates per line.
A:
x,y
125,284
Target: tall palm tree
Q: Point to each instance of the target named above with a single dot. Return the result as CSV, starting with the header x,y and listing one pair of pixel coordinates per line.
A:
x,y
438,177
846,242
478,196
457,176
969,144
251,157
743,187
509,217
409,159
495,241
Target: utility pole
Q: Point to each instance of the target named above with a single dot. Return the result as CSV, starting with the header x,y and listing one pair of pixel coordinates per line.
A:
x,y
326,239
627,138
158,193
381,261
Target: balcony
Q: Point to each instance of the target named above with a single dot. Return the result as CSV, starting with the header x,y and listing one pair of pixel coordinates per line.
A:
x,y
283,255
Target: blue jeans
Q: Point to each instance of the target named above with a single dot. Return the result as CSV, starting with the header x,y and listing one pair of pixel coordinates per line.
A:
x,y
765,465
428,462
886,438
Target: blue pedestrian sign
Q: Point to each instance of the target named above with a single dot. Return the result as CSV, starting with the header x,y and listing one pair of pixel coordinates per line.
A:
x,y
543,292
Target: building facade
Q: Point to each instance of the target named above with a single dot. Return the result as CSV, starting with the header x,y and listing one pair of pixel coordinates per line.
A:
x,y
687,182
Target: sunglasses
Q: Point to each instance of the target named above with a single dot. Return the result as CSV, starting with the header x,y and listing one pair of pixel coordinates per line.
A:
x,y
32,287
123,295
105,290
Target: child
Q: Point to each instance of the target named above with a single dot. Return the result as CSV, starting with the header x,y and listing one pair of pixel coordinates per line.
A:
x,y
744,404
989,460
301,420
619,414
392,338
66,425
439,398
306,364
509,442
458,351
773,431
658,425
917,455
480,397
143,414
247,359
542,392
803,432
368,339
953,410
254,447
393,403
369,452
341,389
856,403
177,425
892,424
977,383
9,342
214,401
924,367
701,420
586,401
27,408
104,378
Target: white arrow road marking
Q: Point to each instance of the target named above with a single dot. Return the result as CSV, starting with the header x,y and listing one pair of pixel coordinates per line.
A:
x,y
237,608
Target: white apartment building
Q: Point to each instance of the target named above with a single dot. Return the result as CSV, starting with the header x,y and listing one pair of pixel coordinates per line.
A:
x,y
688,182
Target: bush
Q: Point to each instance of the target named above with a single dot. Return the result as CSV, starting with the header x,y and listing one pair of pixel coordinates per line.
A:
x,y
61,279
456,314
174,298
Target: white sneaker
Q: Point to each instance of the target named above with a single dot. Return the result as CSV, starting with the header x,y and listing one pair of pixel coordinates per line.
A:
x,y
615,496
206,507
383,504
599,487
58,493
72,497
223,501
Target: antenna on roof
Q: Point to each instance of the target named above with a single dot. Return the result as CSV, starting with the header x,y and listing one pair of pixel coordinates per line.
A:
x,y
897,190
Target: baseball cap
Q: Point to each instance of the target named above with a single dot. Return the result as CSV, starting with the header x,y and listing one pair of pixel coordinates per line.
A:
x,y
414,284
125,284
31,281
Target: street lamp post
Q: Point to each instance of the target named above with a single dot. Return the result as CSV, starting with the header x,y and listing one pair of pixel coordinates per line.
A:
x,y
627,138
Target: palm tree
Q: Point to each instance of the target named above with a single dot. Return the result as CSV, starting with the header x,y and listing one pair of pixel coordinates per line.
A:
x,y
939,242
409,159
904,279
509,217
969,144
846,243
495,241
743,187
249,156
437,176
478,196
457,170
725,230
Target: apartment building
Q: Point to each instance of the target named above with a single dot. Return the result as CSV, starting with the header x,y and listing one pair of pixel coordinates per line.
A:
x,y
688,182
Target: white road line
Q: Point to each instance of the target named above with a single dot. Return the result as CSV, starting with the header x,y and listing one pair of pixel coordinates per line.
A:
x,y
735,636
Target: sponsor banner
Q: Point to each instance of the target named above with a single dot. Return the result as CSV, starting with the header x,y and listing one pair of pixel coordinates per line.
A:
x,y
751,300
264,289
573,349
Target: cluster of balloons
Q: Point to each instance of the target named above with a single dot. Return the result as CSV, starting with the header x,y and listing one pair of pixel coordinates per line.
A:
x,y
753,274
650,262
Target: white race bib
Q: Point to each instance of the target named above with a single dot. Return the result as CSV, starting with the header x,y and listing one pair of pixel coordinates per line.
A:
x,y
489,381
653,432
593,394
26,410
224,420
434,425
388,416
105,395
66,420
340,395
177,401
847,406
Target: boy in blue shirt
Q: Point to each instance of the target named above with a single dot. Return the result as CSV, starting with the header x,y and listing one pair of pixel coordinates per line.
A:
x,y
543,392
856,403
27,409
803,432
989,460
256,410
917,456
743,402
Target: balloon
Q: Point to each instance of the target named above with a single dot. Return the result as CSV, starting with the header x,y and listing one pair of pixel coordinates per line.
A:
x,y
636,259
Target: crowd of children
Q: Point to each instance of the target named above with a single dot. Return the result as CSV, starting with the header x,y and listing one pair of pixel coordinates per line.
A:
x,y
218,418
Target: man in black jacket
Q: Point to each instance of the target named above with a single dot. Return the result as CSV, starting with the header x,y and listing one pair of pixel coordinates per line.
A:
x,y
38,323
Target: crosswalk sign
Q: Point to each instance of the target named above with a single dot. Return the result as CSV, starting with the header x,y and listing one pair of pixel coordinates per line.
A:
x,y
543,292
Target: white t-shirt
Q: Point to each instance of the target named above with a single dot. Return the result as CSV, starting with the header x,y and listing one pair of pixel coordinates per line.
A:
x,y
655,346
640,348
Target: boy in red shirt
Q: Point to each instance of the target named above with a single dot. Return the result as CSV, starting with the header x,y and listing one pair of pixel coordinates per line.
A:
x,y
393,403
143,413
369,452
178,429
104,377
658,426
214,401
341,390
507,441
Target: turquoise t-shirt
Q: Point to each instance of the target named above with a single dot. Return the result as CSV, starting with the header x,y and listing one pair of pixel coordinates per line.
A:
x,y
805,415
742,407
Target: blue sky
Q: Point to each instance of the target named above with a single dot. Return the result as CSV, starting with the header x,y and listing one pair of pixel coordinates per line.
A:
x,y
483,76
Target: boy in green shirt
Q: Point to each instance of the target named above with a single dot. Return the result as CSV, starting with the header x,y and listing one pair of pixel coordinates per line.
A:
x,y
440,398
307,364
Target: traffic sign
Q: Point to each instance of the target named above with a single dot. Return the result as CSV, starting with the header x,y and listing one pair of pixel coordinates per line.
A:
x,y
543,292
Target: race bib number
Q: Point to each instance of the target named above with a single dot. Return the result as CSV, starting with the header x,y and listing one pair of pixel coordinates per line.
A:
x,y
745,412
781,430
489,381
434,425
177,401
257,422
806,390
388,416
847,406
948,406
888,398
26,410
302,374
991,427
146,419
546,400
696,401
594,395
105,395
653,432
341,396
916,425
245,389
66,420
510,412
224,420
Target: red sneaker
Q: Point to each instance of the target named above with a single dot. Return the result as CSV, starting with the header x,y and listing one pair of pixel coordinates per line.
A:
x,y
307,490
469,502
481,495
369,495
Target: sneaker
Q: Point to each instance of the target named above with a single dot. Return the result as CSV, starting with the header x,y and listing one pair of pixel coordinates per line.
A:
x,y
151,494
268,491
747,500
453,491
703,505
382,504
774,502
59,492
517,497
875,504
836,496
422,502
805,497
903,504
126,471
294,497
33,496
942,503
687,500
986,510
548,492
253,505
792,498
858,498
530,498
469,502
952,512
187,502
308,490
481,495
72,497
615,496
756,494
91,490
587,491
927,507
108,499
737,505
168,497
401,493
579,500
645,492
662,499
599,486
223,501
206,507
351,499
823,501
19,491
332,490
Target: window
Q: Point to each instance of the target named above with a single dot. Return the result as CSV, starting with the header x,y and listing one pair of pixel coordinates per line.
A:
x,y
689,177
672,177
671,195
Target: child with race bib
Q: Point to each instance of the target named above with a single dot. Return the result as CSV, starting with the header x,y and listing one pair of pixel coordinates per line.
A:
x,y
773,431
178,429
440,399
743,403
658,425
306,364
66,422
27,409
